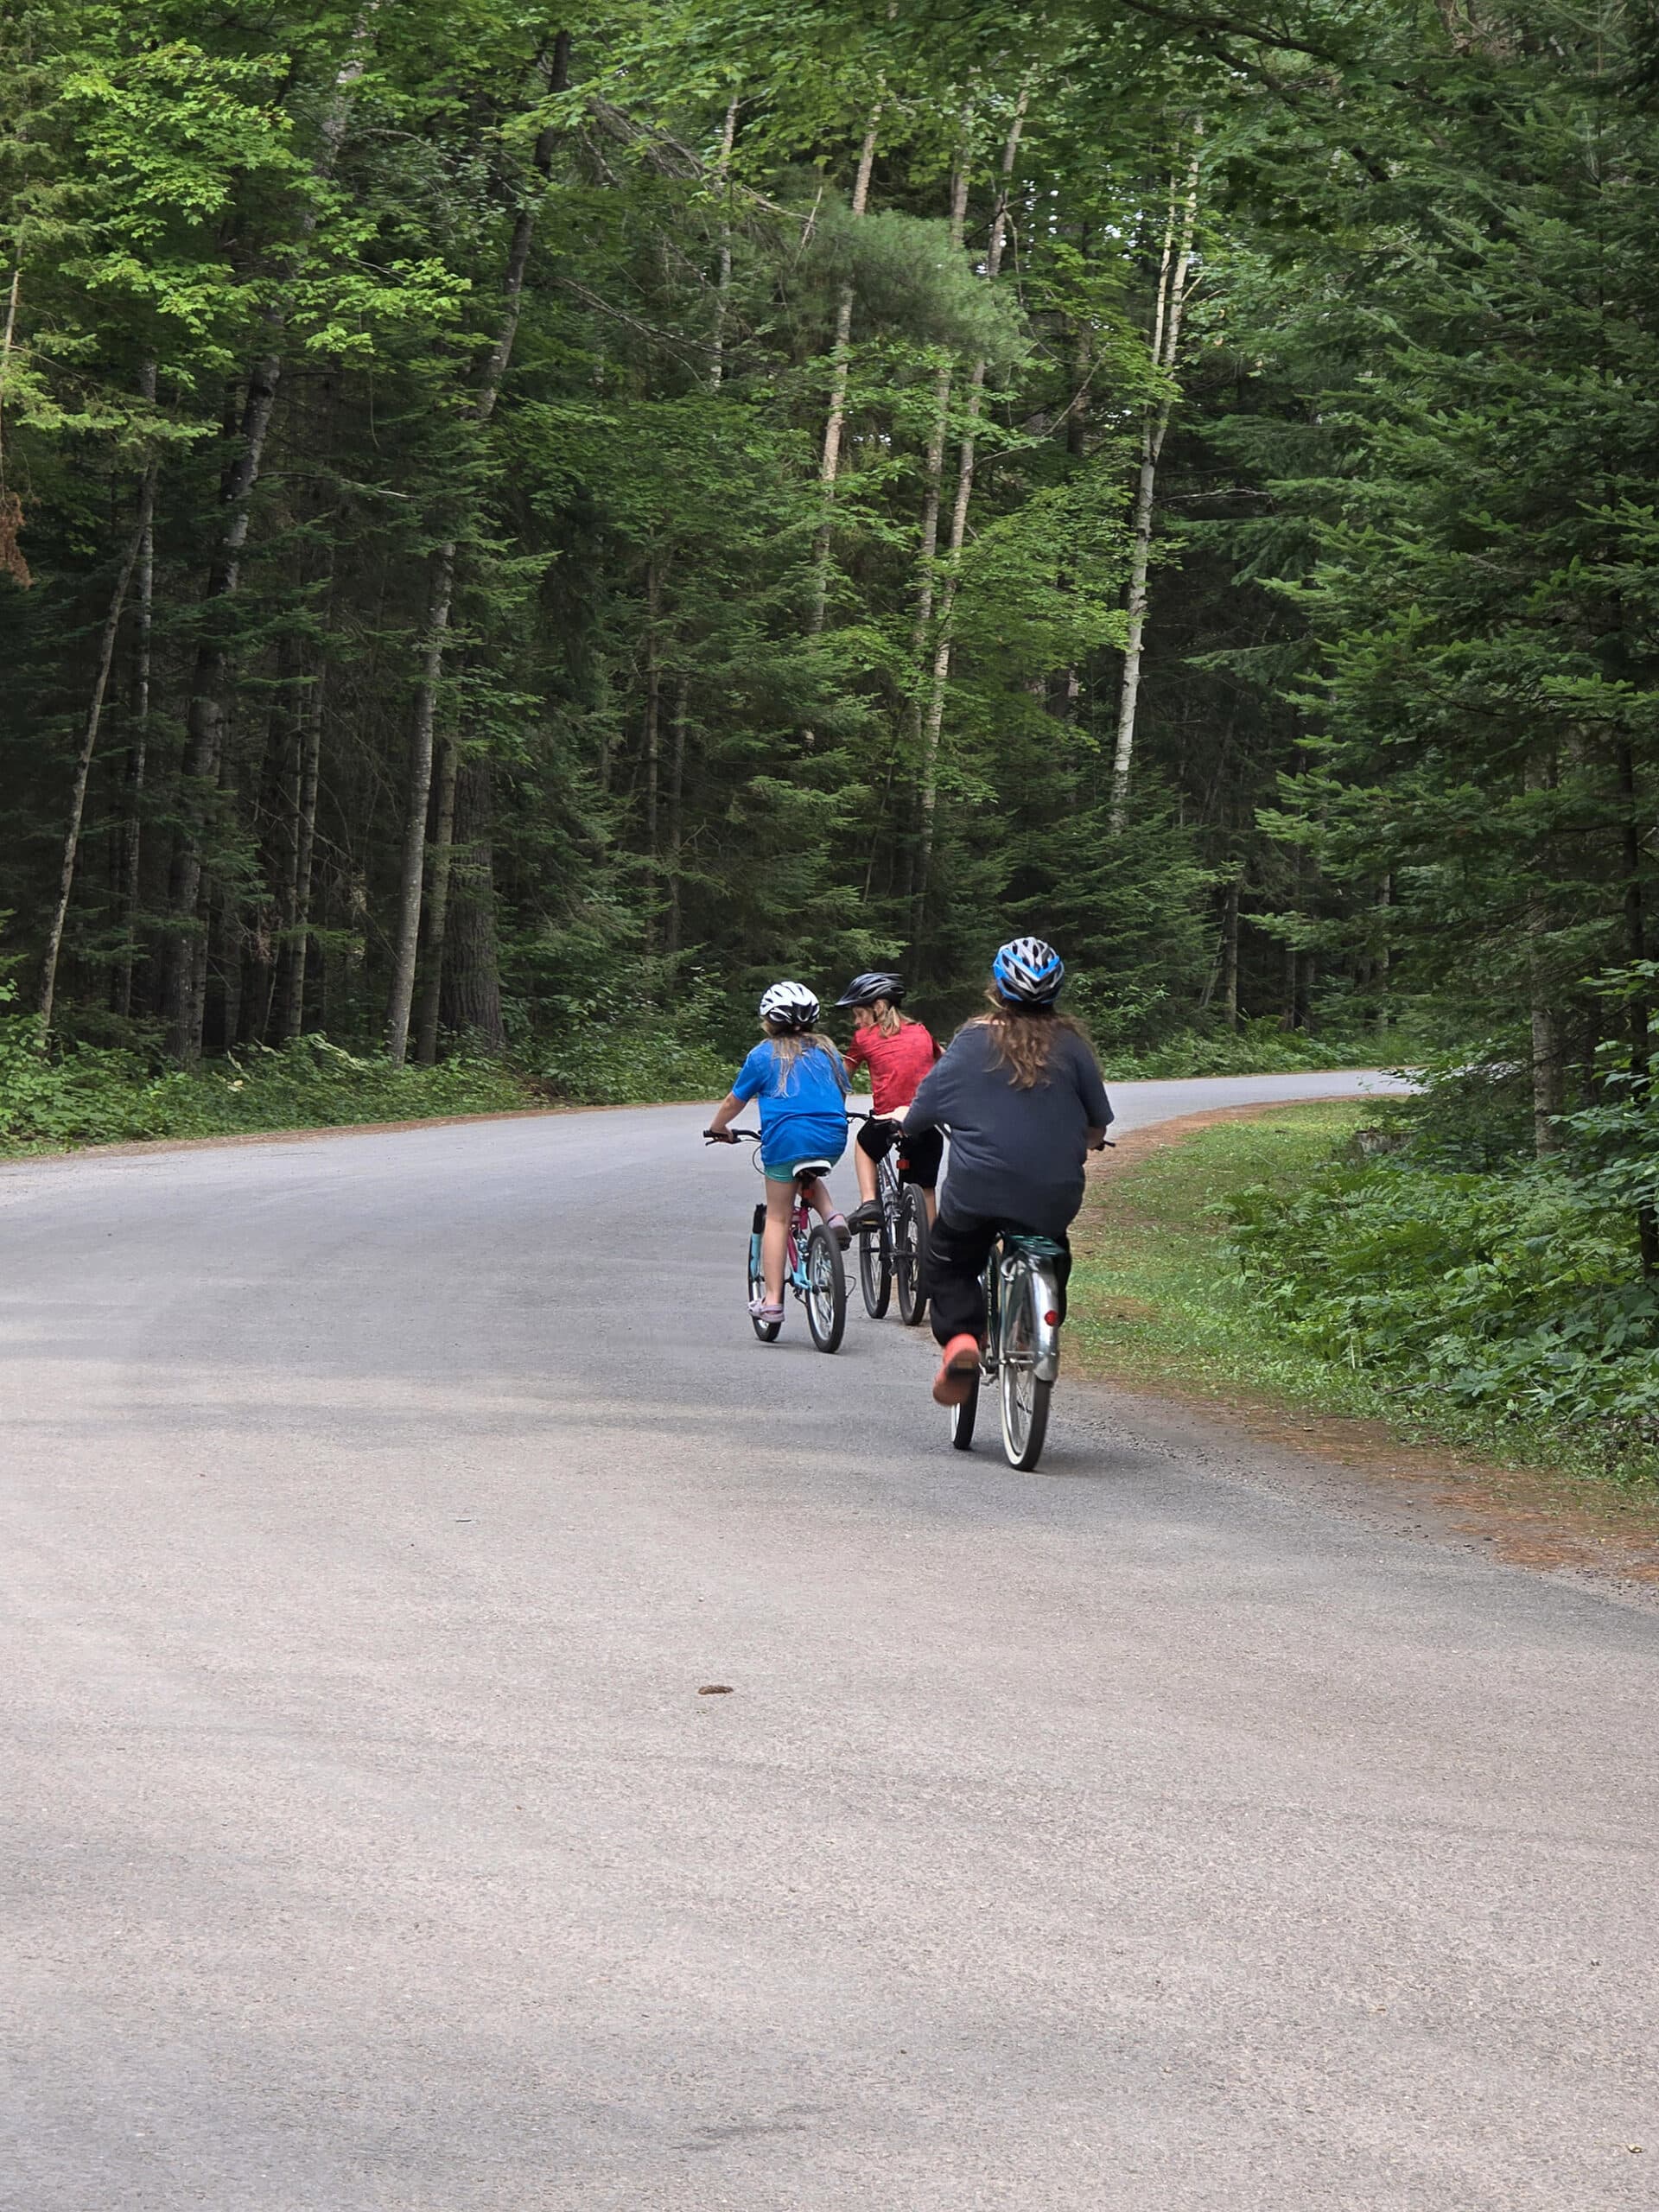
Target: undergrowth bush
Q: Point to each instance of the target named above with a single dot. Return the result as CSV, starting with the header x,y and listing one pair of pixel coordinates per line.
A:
x,y
629,1065
1254,1048
99,1094
1514,1290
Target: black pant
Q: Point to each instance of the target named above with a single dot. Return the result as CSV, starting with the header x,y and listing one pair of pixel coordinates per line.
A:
x,y
918,1156
956,1254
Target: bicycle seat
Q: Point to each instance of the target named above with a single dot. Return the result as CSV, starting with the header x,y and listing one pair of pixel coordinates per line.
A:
x,y
807,1170
1039,1248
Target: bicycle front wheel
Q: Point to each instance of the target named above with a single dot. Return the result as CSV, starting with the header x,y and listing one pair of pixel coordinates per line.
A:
x,y
962,1418
826,1290
1024,1398
767,1331
910,1257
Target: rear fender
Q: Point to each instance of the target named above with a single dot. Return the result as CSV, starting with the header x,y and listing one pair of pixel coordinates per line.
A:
x,y
1029,1279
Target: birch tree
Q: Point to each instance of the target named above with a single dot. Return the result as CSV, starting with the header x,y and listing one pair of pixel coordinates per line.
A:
x,y
1175,275
939,673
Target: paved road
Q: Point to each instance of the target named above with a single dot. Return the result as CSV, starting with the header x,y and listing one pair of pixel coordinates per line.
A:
x,y
1133,1837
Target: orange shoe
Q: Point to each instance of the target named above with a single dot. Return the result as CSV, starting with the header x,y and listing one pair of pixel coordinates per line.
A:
x,y
955,1379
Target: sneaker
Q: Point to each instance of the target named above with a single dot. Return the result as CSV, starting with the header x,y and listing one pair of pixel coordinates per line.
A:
x,y
955,1379
869,1215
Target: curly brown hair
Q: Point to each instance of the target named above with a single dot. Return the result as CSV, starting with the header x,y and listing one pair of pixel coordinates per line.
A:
x,y
1022,1038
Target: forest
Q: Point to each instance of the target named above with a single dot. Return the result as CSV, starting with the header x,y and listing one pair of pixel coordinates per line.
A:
x,y
519,526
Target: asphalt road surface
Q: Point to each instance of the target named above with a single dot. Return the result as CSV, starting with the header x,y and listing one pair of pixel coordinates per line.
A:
x,y
1133,1837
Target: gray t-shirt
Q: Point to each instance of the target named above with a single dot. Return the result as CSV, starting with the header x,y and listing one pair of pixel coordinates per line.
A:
x,y
1016,1156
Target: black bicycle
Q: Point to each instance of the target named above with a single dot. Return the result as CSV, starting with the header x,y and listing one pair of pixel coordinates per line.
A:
x,y
1021,1358
893,1254
812,1262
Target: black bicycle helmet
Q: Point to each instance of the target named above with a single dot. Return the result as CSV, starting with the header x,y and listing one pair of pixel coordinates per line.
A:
x,y
876,983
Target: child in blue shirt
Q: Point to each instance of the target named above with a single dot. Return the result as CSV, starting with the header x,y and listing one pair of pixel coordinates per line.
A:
x,y
797,1076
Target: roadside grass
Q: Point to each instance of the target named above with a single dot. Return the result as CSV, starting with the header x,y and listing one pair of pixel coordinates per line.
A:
x,y
1158,1303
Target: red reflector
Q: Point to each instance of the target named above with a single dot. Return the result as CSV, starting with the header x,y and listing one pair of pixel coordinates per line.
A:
x,y
1052,1319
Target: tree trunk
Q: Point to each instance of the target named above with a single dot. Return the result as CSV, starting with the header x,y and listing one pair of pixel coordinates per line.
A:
x,y
1549,1076
933,477
471,982
653,730
441,599
305,833
89,744
939,674
205,714
1230,953
723,275
1173,277
437,909
1384,901
138,751
834,420
1635,932
675,815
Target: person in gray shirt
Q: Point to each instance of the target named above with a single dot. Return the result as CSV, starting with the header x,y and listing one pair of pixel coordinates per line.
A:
x,y
1020,1095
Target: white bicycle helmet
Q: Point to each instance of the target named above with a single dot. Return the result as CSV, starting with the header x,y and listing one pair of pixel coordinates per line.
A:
x,y
791,1006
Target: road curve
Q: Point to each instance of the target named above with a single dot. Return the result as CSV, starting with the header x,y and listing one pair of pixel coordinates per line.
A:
x,y
1128,1837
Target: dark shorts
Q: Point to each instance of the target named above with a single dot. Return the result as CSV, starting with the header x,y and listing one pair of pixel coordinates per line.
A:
x,y
918,1156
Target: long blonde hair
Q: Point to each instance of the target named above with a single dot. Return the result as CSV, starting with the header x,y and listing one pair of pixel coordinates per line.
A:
x,y
790,1044
890,1021
1022,1038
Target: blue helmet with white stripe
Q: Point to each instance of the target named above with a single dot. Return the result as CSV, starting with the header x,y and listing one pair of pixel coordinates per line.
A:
x,y
1028,972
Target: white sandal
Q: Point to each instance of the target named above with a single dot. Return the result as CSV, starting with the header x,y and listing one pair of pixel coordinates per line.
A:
x,y
759,1311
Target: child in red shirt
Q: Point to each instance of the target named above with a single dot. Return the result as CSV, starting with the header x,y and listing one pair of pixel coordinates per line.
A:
x,y
897,1051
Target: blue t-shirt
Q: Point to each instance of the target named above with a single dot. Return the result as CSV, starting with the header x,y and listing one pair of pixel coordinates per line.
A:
x,y
802,1105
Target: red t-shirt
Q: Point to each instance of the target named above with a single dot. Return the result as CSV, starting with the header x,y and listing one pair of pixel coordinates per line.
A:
x,y
897,1064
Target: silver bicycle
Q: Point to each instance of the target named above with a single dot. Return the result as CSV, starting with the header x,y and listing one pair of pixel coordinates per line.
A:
x,y
1021,1358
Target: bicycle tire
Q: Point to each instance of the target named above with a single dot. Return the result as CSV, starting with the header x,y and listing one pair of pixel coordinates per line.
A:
x,y
826,1290
963,1416
910,1258
767,1331
1022,1399
874,1271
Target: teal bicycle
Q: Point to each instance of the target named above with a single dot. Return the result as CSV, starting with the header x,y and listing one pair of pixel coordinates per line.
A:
x,y
1021,1358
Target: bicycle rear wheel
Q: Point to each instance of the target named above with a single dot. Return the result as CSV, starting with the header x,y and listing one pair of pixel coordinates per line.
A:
x,y
910,1257
1024,1398
826,1290
767,1331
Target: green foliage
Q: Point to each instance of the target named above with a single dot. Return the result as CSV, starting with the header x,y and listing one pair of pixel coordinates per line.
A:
x,y
632,1064
89,1096
1256,1048
1516,1295
1268,1258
